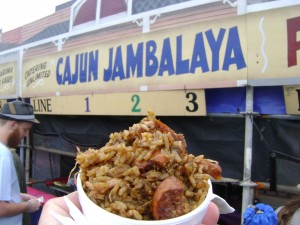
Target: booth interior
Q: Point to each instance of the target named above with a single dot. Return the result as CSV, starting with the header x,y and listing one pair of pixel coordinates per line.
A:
x,y
220,135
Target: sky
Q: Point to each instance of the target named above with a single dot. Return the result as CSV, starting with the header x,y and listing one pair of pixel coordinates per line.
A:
x,y
16,13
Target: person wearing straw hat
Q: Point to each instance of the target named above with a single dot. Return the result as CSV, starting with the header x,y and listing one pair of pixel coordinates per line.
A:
x,y
16,120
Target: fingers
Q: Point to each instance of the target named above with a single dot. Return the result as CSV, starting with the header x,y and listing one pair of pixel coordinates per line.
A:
x,y
33,205
212,215
25,197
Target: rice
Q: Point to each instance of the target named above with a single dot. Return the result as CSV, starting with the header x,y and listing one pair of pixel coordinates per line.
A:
x,y
122,176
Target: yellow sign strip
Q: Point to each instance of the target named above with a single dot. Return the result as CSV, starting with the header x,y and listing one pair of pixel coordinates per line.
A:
x,y
163,103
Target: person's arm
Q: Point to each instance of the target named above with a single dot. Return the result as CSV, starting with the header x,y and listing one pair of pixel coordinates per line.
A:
x,y
29,204
57,205
11,208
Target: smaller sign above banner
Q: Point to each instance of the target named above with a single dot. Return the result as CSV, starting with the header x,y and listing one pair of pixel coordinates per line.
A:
x,y
292,99
163,103
8,74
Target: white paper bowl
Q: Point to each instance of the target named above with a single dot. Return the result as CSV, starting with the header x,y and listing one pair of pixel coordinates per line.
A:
x,y
98,216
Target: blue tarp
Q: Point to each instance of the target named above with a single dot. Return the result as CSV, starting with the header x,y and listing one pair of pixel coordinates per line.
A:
x,y
266,100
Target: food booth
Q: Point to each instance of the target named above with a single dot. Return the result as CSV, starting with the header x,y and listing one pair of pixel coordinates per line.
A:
x,y
229,83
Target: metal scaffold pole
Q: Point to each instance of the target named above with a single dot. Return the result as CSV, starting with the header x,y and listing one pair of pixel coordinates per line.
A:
x,y
248,185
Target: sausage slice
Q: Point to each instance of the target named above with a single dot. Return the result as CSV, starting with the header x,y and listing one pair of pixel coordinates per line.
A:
x,y
168,200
